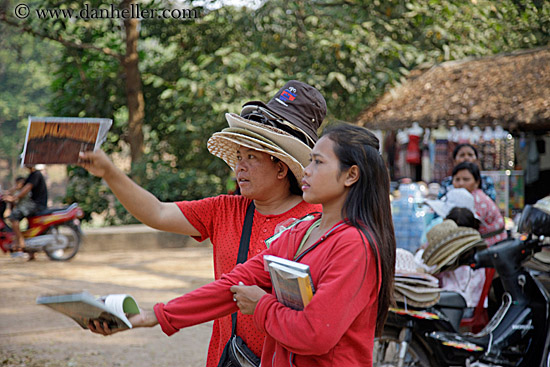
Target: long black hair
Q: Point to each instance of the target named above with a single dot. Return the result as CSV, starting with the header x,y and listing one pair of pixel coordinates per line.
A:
x,y
367,206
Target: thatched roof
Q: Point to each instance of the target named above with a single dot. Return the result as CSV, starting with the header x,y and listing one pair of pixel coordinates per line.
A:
x,y
511,90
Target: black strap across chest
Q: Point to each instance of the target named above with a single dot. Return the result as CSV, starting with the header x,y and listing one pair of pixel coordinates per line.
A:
x,y
243,250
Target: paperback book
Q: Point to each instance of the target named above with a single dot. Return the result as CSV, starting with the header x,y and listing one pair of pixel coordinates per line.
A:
x,y
291,281
83,307
59,140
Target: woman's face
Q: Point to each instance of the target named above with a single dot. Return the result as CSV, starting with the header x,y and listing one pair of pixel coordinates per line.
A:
x,y
323,182
257,175
465,180
465,154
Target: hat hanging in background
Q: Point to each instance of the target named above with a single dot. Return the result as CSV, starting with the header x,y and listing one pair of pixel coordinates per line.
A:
x,y
412,286
454,198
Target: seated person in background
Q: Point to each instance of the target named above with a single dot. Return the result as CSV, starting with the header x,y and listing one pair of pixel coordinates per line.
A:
x,y
466,175
455,198
458,205
469,283
35,187
468,153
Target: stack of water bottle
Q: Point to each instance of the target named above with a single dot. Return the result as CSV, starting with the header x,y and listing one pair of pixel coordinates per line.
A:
x,y
409,216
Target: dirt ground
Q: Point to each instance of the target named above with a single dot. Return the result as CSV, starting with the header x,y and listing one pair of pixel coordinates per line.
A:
x,y
35,336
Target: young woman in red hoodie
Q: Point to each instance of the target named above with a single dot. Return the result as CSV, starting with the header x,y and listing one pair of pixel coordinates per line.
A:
x,y
350,249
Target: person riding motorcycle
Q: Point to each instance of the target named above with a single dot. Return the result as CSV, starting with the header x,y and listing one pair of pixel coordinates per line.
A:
x,y
36,189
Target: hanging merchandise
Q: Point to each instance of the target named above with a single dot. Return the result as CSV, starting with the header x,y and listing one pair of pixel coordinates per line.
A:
x,y
413,149
442,162
488,150
465,135
453,134
402,168
426,156
509,153
476,135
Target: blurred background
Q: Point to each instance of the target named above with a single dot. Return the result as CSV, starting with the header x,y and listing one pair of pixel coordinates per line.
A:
x,y
167,83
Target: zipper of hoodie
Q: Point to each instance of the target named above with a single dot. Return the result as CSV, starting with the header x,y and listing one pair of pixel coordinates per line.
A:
x,y
318,242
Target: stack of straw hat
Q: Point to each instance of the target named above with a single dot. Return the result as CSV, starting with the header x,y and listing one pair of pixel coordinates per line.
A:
x,y
412,286
447,242
285,128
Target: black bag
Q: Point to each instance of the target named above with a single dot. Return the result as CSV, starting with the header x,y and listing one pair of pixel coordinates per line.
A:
x,y
236,353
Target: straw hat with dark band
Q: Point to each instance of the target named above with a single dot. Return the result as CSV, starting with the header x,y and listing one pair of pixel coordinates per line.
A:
x,y
446,242
226,143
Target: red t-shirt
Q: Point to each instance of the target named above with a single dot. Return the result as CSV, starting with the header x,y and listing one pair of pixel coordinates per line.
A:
x,y
221,219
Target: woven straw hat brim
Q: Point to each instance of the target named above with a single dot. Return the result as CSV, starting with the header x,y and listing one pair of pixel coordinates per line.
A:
x,y
225,146
405,297
449,248
414,295
290,144
418,282
439,237
451,261
411,303
404,261
418,289
252,134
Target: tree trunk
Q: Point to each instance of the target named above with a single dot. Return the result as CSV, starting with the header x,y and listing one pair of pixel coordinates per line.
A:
x,y
134,90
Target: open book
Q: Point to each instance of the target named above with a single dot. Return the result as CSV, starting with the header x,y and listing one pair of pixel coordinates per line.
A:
x,y
82,307
291,281
58,140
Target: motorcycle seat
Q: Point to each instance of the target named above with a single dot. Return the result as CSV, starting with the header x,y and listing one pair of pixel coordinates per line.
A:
x,y
54,210
452,305
452,300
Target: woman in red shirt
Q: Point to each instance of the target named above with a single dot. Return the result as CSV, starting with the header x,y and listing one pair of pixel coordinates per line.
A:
x,y
350,249
267,147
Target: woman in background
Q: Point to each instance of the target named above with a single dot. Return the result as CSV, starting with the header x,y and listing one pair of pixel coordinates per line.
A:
x,y
468,153
466,175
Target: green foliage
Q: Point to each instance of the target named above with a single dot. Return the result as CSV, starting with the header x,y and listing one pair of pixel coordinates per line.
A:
x,y
24,89
194,71
90,194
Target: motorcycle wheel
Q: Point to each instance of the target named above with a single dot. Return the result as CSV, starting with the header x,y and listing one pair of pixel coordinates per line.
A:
x,y
67,244
387,348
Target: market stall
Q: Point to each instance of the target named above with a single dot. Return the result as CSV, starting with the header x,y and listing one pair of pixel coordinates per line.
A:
x,y
500,104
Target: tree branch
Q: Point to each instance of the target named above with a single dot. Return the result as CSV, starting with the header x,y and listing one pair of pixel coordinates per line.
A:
x,y
83,46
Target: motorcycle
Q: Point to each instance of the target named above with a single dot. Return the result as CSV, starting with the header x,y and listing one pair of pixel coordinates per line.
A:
x,y
56,231
518,334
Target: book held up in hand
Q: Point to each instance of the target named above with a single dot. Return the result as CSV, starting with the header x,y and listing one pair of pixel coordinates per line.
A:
x,y
59,140
83,307
291,281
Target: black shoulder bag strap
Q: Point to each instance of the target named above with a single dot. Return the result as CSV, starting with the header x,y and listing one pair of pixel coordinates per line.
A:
x,y
243,250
